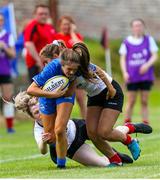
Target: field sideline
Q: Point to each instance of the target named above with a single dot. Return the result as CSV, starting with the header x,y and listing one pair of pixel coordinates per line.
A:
x,y
19,156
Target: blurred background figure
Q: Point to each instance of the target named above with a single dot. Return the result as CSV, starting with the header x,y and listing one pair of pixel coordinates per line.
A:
x,y
68,33
37,34
138,53
7,53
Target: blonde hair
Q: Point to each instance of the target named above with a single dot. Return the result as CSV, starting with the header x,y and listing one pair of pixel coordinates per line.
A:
x,y
22,102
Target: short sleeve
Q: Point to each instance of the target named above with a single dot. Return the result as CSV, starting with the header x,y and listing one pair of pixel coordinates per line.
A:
x,y
153,45
29,31
48,72
92,67
123,49
11,41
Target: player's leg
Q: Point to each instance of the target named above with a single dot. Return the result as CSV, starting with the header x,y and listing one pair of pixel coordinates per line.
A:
x,y
130,128
8,108
144,96
131,99
92,120
105,130
87,156
63,115
48,121
81,100
38,130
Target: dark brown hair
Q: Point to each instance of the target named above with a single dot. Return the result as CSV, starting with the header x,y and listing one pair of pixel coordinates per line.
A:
x,y
69,56
40,5
49,51
82,49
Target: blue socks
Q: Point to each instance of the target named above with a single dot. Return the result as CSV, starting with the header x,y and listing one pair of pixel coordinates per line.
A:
x,y
61,162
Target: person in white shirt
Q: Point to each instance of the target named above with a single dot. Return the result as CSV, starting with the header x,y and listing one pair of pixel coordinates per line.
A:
x,y
78,149
138,53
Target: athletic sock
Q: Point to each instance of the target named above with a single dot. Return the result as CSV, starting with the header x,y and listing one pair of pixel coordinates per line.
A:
x,y
115,159
128,140
61,162
127,120
53,154
131,128
9,123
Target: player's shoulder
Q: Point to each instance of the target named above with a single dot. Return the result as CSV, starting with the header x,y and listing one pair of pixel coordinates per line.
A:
x,y
31,23
30,26
92,67
55,63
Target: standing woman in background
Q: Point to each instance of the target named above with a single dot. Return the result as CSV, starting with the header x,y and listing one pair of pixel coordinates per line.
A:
x,y
67,33
7,52
138,53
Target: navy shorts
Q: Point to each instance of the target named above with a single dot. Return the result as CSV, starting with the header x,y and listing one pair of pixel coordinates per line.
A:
x,y
144,86
5,79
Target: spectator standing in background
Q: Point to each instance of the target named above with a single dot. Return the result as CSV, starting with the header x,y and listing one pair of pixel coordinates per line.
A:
x,y
7,53
37,34
68,33
138,53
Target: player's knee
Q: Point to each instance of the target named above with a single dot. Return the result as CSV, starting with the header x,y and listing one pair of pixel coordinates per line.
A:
x,y
144,102
7,97
59,131
92,134
103,133
131,103
43,152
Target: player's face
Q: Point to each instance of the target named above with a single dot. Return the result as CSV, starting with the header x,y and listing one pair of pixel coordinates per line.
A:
x,y
65,26
42,15
1,21
34,108
70,69
137,28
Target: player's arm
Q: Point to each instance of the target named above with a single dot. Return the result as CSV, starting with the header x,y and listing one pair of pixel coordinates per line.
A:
x,y
74,36
9,49
102,75
123,67
33,52
144,68
37,91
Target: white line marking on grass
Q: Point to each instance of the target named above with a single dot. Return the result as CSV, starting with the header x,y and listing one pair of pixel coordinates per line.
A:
x,y
153,176
21,159
151,137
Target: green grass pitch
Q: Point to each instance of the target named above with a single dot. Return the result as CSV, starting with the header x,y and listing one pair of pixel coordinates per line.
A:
x,y
19,156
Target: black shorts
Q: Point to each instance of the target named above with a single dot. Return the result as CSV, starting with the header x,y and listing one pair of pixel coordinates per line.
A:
x,y
115,103
34,70
144,86
5,79
80,138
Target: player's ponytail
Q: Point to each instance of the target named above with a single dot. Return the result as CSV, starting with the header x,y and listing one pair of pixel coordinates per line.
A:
x,y
82,50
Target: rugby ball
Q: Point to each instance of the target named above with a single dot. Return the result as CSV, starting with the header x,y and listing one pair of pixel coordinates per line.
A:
x,y
55,83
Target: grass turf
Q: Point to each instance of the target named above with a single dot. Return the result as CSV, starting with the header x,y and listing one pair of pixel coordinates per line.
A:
x,y
19,156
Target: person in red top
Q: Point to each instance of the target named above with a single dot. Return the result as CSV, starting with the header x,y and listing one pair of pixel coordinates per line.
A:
x,y
68,33
37,34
